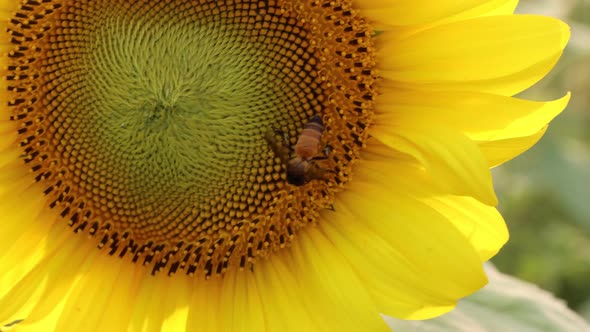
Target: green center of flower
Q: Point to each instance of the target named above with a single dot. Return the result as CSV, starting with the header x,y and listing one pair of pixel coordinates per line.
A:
x,y
148,121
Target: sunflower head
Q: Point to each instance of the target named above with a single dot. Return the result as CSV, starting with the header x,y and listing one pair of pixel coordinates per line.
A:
x,y
144,122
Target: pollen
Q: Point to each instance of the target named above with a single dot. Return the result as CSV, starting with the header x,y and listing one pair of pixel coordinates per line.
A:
x,y
145,121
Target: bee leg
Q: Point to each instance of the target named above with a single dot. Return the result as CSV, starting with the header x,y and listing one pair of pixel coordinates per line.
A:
x,y
285,137
327,150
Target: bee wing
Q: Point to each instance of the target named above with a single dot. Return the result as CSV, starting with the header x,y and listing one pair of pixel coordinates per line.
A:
x,y
280,148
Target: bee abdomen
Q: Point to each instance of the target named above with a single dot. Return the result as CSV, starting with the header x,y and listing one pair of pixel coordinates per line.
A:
x,y
309,141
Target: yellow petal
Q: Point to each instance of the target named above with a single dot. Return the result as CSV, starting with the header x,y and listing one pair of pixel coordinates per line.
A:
x,y
94,296
8,132
482,117
408,12
40,294
7,9
383,21
450,158
24,239
385,14
22,208
158,303
414,261
498,54
481,224
489,8
241,294
234,303
281,296
123,292
498,152
175,303
330,288
204,304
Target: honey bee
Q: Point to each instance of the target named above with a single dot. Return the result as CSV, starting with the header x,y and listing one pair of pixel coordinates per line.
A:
x,y
300,161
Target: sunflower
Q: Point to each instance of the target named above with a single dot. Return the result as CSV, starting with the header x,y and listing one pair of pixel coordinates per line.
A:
x,y
257,165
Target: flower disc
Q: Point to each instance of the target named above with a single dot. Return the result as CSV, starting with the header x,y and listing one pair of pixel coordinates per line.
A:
x,y
145,120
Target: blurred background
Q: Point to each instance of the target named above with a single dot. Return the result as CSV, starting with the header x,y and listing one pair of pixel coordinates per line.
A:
x,y
545,194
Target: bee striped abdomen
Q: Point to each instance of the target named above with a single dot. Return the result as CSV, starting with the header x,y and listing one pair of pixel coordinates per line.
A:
x,y
309,141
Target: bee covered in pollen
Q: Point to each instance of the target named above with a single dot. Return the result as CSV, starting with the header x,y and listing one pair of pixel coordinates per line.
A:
x,y
300,161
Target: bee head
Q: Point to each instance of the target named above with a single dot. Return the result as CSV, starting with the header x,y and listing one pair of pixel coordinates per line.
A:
x,y
296,179
296,172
